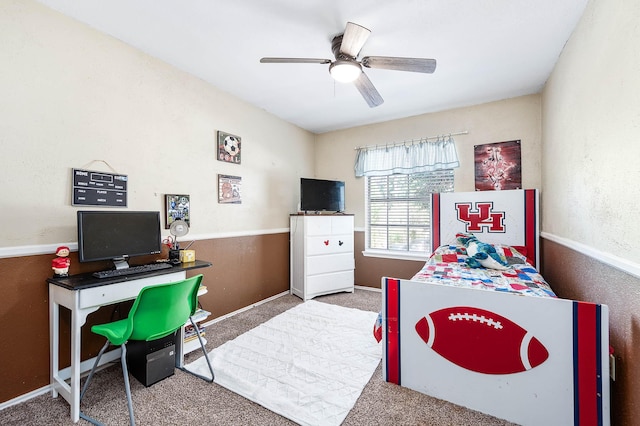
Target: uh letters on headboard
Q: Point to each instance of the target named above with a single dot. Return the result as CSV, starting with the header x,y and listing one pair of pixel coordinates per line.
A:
x,y
505,217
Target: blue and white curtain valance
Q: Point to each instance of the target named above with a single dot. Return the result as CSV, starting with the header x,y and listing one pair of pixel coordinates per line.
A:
x,y
415,157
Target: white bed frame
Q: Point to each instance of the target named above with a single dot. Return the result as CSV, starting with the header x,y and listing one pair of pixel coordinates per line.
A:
x,y
570,387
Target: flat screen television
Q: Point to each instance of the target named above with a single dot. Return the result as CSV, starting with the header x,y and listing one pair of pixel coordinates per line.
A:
x,y
106,235
321,195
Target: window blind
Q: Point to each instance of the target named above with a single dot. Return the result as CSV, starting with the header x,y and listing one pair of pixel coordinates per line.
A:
x,y
399,209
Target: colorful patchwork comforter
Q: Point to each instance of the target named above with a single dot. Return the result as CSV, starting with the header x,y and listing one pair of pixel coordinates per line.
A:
x,y
447,265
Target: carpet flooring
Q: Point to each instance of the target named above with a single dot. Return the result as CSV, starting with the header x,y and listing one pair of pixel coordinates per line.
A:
x,y
309,364
183,399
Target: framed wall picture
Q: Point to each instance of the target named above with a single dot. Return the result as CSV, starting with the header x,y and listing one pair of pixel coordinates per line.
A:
x,y
498,166
229,189
90,188
229,148
177,207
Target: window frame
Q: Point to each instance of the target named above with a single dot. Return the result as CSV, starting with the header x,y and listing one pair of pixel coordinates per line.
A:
x,y
394,253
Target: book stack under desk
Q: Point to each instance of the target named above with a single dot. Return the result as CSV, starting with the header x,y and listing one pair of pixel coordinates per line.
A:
x,y
190,339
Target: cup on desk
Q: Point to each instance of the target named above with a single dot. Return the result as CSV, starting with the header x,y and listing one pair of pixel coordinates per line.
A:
x,y
174,255
187,256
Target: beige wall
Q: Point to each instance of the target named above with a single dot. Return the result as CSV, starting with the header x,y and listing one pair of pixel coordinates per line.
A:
x,y
72,97
590,170
591,134
511,119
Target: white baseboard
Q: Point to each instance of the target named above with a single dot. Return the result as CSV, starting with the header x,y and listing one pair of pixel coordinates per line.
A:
x,y
364,287
246,308
107,359
25,397
284,293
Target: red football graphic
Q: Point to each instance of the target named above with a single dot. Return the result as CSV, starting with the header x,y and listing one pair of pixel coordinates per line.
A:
x,y
481,341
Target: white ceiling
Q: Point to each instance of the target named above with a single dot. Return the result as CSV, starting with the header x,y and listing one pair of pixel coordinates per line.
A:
x,y
486,49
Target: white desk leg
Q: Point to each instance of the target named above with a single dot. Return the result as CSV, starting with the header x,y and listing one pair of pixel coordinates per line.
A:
x,y
54,335
78,318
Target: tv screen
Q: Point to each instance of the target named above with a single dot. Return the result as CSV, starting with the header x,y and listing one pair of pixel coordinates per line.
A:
x,y
104,235
321,195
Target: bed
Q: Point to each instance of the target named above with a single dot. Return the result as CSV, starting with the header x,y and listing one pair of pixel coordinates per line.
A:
x,y
497,341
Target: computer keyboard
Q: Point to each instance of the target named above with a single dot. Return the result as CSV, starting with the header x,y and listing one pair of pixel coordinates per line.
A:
x,y
132,270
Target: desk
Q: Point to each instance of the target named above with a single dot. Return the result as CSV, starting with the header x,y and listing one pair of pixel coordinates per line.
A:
x,y
83,294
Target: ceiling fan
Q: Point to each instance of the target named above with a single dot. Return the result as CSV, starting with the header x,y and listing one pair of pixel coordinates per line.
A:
x,y
347,68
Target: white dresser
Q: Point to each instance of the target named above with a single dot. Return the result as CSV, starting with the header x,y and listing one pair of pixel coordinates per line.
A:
x,y
322,259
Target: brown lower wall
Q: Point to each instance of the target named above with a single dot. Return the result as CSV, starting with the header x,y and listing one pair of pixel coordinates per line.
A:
x,y
370,270
249,269
576,276
245,270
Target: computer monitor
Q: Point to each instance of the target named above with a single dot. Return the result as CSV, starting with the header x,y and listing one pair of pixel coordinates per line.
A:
x,y
116,236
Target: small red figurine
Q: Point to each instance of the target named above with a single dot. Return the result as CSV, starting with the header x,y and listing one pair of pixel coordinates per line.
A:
x,y
60,264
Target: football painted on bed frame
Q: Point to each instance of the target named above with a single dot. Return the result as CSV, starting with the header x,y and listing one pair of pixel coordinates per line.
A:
x,y
481,340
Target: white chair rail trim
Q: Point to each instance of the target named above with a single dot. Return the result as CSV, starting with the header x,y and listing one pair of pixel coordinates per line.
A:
x,y
32,250
606,258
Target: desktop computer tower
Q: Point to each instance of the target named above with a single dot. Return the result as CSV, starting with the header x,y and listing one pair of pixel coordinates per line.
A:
x,y
152,361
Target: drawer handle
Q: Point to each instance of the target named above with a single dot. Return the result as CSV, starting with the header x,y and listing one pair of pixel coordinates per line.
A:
x,y
326,242
340,242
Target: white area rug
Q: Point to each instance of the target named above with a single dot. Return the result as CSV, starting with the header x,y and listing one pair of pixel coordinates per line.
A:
x,y
308,364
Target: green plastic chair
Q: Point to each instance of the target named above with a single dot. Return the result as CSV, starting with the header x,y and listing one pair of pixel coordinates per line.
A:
x,y
157,312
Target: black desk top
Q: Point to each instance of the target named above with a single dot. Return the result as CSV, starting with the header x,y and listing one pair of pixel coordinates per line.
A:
x,y
87,280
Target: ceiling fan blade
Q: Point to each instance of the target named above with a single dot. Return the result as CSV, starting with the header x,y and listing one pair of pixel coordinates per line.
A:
x,y
368,91
353,39
400,64
294,61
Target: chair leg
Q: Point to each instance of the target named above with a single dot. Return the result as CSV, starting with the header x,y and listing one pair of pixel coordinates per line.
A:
x,y
206,356
86,384
93,369
125,373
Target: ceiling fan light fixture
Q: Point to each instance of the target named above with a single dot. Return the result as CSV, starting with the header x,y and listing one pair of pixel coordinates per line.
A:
x,y
345,71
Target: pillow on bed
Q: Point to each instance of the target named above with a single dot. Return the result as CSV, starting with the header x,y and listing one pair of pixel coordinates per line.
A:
x,y
481,254
457,253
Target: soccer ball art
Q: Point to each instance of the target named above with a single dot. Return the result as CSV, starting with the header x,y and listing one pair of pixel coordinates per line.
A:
x,y
231,145
228,148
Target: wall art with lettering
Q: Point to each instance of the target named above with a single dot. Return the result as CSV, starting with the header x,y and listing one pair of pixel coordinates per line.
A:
x,y
91,188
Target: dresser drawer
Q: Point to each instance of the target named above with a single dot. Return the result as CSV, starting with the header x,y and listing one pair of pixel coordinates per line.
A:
x,y
329,225
329,263
342,225
328,244
318,225
326,283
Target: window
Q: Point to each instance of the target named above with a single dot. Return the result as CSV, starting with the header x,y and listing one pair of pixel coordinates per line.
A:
x,y
399,210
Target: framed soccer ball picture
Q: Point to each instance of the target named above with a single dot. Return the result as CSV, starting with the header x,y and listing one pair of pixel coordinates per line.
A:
x,y
229,147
